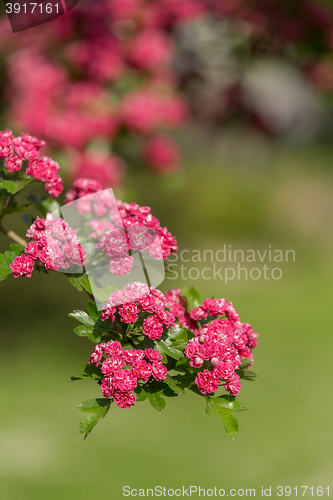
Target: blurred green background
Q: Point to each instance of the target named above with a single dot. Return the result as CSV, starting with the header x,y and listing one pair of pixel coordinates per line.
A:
x,y
242,191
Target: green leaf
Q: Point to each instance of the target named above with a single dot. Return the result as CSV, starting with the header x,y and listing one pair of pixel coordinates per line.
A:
x,y
80,282
154,392
163,348
92,333
229,402
97,408
222,407
28,219
178,332
156,400
140,393
14,187
89,328
83,317
84,331
50,205
174,385
186,380
44,205
34,200
5,270
14,251
13,209
247,375
193,297
102,294
174,344
93,312
89,371
245,362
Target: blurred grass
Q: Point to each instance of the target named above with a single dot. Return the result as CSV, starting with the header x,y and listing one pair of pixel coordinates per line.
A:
x,y
286,435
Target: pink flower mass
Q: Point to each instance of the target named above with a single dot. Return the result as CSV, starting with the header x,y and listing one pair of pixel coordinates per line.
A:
x,y
24,151
123,369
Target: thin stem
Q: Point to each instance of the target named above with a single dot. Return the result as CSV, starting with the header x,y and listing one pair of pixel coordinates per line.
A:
x,y
12,235
144,269
8,200
130,341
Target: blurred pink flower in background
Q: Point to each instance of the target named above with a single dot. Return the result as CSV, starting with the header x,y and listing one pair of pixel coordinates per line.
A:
x,y
162,154
105,168
108,72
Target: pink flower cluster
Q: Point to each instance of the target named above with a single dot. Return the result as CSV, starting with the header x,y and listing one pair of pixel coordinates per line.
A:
x,y
123,369
25,148
220,342
52,243
178,307
137,298
143,230
23,265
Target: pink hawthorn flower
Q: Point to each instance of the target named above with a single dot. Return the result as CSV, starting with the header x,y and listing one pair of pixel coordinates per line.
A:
x,y
233,385
225,370
140,237
23,265
142,370
162,154
108,313
124,399
54,187
114,242
124,380
43,169
96,355
82,187
113,348
196,361
121,265
215,307
107,387
232,313
33,140
110,365
6,143
159,371
150,50
13,163
153,355
132,355
153,327
207,381
105,168
25,149
147,303
129,313
36,230
198,313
